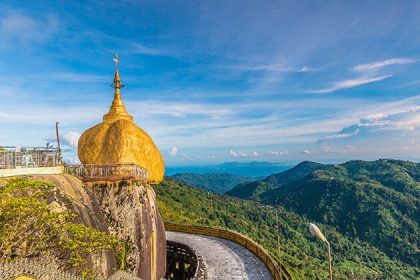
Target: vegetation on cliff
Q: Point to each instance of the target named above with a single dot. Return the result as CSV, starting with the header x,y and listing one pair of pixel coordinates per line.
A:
x,y
34,222
304,256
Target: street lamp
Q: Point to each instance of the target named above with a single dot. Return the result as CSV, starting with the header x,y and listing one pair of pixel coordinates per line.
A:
x,y
278,244
317,232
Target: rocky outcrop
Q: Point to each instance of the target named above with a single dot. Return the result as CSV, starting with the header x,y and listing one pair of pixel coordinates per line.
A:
x,y
131,213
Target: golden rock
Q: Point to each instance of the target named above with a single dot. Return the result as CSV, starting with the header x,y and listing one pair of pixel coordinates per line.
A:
x,y
118,140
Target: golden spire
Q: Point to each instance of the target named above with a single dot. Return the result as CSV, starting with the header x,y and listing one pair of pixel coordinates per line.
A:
x,y
117,110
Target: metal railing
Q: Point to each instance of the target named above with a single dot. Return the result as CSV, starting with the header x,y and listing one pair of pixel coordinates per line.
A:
x,y
13,157
108,172
236,237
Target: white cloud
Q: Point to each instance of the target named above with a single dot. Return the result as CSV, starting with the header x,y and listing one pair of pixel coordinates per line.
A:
x,y
275,68
181,110
17,28
306,152
173,151
381,64
75,77
71,138
233,153
185,156
341,135
350,84
45,114
241,154
368,70
306,69
138,48
278,153
407,119
328,149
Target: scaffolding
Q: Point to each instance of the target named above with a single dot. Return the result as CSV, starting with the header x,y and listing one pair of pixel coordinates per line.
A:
x,y
12,157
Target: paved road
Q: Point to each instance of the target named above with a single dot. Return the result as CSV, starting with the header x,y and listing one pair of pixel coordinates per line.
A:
x,y
224,259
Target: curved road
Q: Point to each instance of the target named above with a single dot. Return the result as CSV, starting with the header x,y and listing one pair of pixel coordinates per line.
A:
x,y
224,259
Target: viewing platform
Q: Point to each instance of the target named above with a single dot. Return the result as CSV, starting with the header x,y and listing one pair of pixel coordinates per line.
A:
x,y
108,172
16,161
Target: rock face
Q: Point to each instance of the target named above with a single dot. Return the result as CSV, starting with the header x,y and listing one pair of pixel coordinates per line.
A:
x,y
131,213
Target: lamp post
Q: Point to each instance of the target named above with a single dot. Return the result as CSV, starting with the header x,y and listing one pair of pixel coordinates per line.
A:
x,y
278,244
317,232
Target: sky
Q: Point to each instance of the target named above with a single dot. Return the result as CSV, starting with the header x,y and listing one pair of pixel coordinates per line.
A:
x,y
218,81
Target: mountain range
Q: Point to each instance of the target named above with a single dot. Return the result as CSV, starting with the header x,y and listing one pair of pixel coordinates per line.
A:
x,y
369,211
375,202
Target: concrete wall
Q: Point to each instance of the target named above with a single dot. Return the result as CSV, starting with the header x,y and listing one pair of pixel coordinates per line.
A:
x,y
32,171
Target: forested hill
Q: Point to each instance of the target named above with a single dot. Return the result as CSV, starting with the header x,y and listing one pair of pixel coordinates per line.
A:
x,y
375,202
251,190
303,255
214,182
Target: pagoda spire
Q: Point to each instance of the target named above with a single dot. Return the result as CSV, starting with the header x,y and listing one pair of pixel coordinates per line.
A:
x,y
117,110
117,82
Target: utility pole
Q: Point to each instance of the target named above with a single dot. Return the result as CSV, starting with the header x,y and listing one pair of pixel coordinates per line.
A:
x,y
58,135
58,161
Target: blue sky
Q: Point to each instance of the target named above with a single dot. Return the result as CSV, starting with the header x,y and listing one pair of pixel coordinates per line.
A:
x,y
215,81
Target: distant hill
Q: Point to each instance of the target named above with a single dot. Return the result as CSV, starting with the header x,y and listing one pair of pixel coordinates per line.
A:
x,y
214,182
251,190
376,202
253,169
302,254
302,169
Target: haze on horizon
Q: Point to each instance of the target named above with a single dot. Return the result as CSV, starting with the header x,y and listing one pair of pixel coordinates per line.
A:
x,y
218,81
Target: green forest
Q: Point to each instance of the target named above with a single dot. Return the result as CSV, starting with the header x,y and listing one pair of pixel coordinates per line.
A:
x,y
367,210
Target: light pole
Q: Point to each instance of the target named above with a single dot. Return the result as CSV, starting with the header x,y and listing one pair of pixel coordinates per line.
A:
x,y
278,244
317,232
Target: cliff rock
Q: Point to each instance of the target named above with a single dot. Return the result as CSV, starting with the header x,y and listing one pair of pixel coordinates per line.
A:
x,y
131,213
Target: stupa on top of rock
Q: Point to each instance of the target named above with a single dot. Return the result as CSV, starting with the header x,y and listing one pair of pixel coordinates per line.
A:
x,y
119,141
